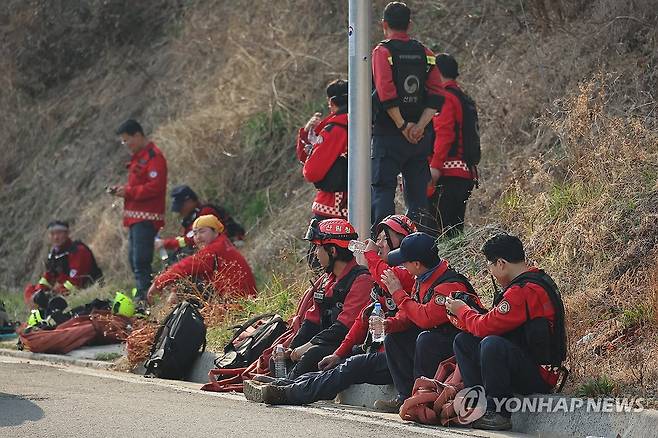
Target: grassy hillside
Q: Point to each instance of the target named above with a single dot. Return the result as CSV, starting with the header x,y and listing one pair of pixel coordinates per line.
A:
x,y
567,99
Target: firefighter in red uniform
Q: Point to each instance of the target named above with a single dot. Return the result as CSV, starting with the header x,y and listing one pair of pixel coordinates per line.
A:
x,y
407,94
143,201
322,149
357,360
426,335
452,179
186,203
70,266
217,265
516,347
339,295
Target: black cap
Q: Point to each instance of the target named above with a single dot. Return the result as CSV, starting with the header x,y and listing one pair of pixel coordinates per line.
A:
x,y
416,247
447,65
180,194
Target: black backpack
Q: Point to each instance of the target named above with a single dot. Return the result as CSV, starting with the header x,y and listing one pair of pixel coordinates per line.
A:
x,y
410,68
240,353
545,347
178,343
336,178
470,129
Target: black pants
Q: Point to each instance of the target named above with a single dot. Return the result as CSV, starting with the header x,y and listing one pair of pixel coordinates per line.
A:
x,y
309,360
325,385
141,237
391,155
415,353
448,204
499,365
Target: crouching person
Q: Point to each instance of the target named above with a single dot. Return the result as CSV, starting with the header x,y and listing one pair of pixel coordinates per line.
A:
x,y
339,295
428,336
217,269
357,360
70,265
516,347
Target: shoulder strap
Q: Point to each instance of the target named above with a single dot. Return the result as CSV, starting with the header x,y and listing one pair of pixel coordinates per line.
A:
x,y
343,286
449,276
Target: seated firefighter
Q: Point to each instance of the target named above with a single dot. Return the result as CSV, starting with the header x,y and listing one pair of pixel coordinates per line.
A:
x,y
357,360
187,204
426,335
339,296
70,265
217,269
519,345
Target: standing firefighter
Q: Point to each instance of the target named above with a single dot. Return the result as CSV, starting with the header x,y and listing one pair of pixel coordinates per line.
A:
x,y
407,94
143,201
70,265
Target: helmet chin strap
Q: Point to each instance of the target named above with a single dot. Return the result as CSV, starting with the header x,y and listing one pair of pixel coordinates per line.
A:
x,y
388,238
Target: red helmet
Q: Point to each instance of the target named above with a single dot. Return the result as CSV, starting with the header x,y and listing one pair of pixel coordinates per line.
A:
x,y
398,223
336,231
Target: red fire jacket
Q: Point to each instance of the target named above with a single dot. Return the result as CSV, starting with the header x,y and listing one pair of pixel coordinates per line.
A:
x,y
146,188
357,298
187,238
219,264
327,143
77,260
519,304
359,331
448,124
425,315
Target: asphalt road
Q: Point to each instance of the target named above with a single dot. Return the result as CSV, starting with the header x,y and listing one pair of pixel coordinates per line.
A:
x,y
41,400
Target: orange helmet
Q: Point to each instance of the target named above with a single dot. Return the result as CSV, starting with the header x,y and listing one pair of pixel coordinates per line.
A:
x,y
398,223
335,231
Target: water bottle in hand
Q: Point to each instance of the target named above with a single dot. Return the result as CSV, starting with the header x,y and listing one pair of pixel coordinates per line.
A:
x,y
357,247
376,324
164,255
279,362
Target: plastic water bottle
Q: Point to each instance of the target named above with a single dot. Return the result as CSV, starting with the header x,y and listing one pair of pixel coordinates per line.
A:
x,y
279,362
356,246
376,324
164,255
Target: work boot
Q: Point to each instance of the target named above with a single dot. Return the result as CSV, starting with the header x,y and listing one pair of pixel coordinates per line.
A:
x,y
390,406
265,393
492,421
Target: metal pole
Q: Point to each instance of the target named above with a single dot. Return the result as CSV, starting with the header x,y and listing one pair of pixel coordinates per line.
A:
x,y
359,122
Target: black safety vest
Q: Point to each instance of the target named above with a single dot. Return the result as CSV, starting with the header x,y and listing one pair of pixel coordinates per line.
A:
x,y
330,307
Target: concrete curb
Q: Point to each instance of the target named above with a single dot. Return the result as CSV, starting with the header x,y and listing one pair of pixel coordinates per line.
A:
x,y
57,358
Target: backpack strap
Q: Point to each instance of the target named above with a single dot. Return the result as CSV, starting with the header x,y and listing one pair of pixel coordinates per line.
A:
x,y
342,287
450,276
243,327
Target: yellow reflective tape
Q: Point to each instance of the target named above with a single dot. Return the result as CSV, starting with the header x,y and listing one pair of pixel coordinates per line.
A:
x,y
69,286
390,60
181,242
431,60
44,282
134,292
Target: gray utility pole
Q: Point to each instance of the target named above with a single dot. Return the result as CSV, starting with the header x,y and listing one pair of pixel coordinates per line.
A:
x,y
360,115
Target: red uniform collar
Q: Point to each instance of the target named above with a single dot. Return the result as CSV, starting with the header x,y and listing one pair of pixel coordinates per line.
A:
x,y
450,83
351,264
340,118
439,271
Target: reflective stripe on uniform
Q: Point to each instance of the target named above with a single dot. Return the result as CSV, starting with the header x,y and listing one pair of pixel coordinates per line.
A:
x,y
390,60
69,286
181,242
44,282
431,60
143,215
